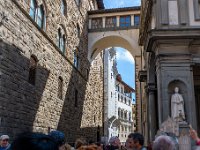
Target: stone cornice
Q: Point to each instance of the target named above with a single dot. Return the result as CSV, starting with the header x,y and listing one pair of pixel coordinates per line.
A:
x,y
113,29
169,34
145,20
142,75
103,11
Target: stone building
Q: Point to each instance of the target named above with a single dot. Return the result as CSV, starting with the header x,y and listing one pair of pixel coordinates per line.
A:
x,y
44,70
169,34
117,99
124,108
110,101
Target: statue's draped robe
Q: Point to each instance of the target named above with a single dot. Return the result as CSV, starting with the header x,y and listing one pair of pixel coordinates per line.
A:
x,y
177,107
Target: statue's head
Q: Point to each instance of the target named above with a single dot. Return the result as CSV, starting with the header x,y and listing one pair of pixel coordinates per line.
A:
x,y
176,90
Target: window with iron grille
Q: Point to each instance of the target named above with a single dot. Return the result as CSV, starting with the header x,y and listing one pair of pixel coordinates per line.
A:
x,y
125,21
60,87
32,70
136,20
76,98
97,23
111,22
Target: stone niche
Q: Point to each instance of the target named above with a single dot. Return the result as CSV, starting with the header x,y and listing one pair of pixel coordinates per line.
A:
x,y
182,90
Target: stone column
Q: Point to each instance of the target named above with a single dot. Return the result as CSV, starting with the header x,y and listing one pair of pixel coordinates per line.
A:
x,y
132,20
90,24
118,19
152,112
104,22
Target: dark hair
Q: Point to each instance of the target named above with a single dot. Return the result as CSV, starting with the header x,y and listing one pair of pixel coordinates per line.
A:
x,y
137,137
34,141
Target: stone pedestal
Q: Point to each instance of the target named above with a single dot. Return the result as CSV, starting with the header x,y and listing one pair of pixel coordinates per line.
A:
x,y
184,138
178,131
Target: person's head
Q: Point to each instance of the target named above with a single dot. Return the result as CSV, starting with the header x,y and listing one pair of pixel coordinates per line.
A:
x,y
114,140
127,144
176,89
99,146
80,142
34,141
164,142
135,140
4,140
58,136
65,147
89,147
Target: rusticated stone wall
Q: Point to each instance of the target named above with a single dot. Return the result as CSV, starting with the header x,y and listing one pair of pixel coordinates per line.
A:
x,y
27,107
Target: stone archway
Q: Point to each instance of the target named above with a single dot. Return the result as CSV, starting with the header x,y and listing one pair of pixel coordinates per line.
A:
x,y
98,41
102,40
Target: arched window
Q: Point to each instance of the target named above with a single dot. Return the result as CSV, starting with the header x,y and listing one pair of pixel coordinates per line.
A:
x,y
63,7
78,31
61,41
33,6
76,98
78,2
119,113
122,114
40,16
129,116
60,87
76,59
125,115
32,70
37,14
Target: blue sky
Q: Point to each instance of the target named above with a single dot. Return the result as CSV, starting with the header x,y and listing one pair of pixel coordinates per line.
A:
x,y
121,3
126,66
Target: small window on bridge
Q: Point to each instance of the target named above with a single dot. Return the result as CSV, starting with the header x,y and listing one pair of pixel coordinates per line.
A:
x,y
125,21
97,23
111,22
136,20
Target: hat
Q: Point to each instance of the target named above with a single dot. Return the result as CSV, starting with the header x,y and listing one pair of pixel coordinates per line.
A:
x,y
113,139
58,136
4,137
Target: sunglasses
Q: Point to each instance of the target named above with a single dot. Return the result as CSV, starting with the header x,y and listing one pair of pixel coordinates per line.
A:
x,y
5,140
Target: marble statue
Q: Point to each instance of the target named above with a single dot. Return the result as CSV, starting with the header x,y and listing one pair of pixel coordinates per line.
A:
x,y
177,106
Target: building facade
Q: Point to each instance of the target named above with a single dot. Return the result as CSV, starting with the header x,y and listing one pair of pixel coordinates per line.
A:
x,y
124,107
110,109
169,34
118,99
44,81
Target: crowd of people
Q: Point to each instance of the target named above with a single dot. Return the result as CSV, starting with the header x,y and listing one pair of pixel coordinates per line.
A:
x,y
56,140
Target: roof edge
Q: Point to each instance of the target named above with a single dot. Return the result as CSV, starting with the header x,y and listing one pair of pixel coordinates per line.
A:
x,y
102,11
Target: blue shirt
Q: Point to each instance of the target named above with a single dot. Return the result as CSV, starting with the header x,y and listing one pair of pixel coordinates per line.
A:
x,y
5,148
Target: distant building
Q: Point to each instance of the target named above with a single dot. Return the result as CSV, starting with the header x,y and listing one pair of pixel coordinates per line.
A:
x,y
124,107
110,102
117,99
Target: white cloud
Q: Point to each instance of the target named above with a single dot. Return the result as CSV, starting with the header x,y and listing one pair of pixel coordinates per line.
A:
x,y
124,55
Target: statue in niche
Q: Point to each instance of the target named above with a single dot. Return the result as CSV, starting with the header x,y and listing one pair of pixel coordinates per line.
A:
x,y
177,106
